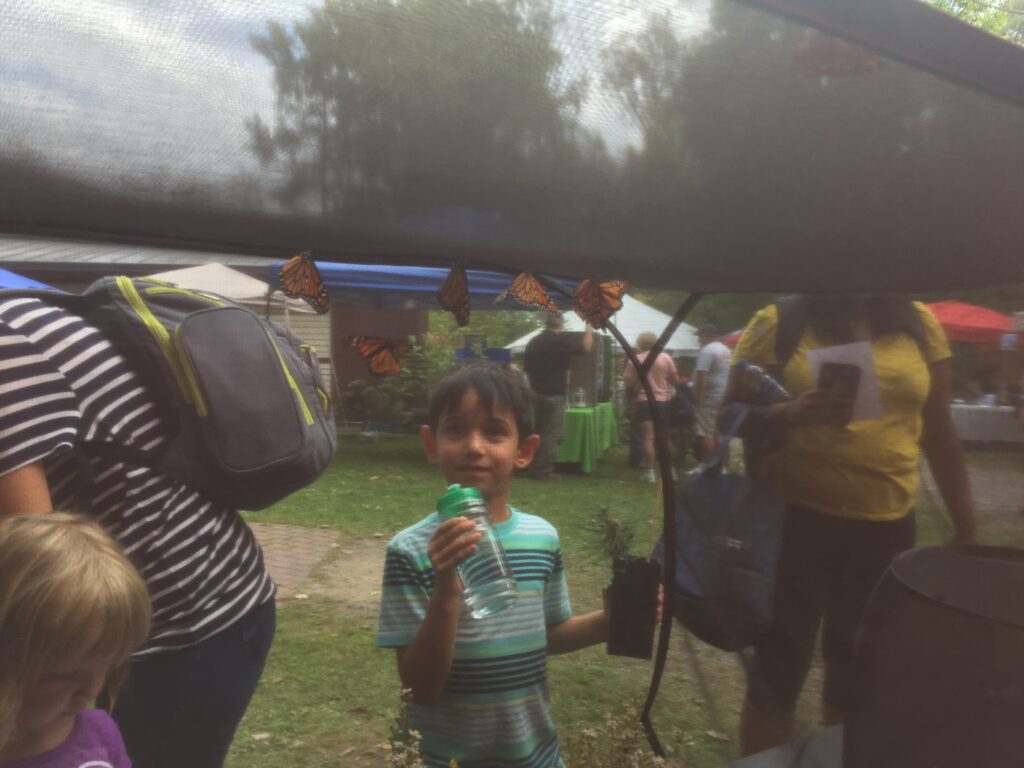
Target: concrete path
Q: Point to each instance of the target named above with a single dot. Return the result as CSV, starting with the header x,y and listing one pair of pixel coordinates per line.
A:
x,y
292,553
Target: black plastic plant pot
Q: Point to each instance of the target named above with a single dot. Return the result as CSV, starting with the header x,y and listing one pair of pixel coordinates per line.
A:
x,y
633,607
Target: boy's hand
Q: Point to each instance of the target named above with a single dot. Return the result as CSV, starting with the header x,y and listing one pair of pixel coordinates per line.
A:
x,y
453,542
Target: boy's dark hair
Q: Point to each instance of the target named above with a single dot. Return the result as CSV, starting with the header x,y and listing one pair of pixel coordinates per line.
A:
x,y
494,384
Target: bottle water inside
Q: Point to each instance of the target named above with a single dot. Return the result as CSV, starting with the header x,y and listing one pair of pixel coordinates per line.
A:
x,y
488,586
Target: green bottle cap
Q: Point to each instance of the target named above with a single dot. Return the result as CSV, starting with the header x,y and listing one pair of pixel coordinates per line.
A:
x,y
456,499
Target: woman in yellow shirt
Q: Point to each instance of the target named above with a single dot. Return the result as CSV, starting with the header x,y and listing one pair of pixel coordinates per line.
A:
x,y
850,489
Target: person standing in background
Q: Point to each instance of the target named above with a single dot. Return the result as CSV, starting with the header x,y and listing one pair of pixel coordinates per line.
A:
x,y
711,376
850,490
546,363
663,378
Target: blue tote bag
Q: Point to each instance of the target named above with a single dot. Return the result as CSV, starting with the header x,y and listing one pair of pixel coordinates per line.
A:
x,y
729,534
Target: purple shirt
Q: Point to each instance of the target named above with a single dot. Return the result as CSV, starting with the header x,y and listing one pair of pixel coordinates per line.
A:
x,y
94,742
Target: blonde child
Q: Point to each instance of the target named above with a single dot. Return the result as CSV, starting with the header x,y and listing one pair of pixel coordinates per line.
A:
x,y
72,610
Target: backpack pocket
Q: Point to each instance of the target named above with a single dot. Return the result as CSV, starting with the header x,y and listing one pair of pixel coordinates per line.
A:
x,y
243,381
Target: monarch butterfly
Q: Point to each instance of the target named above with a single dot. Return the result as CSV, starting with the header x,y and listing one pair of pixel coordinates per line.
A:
x,y
301,279
453,294
528,290
381,355
596,301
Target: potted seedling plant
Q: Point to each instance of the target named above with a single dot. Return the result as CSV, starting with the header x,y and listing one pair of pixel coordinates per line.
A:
x,y
631,597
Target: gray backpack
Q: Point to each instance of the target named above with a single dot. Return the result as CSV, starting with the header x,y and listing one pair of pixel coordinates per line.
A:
x,y
248,418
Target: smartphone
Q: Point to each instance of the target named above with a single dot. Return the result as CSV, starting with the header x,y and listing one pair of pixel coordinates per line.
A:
x,y
840,377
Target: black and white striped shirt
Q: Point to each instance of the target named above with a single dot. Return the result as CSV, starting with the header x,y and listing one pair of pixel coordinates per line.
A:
x,y
61,383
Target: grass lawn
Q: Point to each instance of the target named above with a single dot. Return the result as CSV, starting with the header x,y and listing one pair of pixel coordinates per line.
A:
x,y
328,696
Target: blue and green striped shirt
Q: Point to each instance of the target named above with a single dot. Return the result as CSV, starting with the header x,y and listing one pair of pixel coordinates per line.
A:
x,y
493,711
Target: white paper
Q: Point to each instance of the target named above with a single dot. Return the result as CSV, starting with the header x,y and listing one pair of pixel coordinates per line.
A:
x,y
868,403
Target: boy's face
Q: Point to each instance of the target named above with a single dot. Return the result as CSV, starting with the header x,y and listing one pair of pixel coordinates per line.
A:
x,y
475,447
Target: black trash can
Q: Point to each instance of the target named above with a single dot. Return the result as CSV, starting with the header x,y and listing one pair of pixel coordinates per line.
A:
x,y
941,663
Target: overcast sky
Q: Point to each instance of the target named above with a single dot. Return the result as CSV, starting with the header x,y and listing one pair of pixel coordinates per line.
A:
x,y
188,69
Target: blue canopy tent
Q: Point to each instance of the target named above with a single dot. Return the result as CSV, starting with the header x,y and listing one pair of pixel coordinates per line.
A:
x,y
10,279
378,285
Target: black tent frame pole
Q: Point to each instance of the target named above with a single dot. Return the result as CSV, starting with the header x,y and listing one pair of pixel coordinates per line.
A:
x,y
669,516
668,493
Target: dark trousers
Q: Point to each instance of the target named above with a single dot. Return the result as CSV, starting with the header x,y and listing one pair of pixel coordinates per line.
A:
x,y
828,568
548,422
181,708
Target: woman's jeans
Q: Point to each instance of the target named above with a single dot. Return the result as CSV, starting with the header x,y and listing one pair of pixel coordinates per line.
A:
x,y
180,709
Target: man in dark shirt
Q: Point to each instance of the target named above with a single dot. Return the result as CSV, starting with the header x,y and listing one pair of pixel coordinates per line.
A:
x,y
547,363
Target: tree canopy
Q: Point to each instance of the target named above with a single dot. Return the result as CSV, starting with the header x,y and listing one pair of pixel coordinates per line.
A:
x,y
420,106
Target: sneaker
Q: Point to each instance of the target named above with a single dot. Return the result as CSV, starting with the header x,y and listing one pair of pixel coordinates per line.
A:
x,y
648,476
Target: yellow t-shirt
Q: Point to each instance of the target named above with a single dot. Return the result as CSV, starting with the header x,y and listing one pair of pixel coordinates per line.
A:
x,y
866,469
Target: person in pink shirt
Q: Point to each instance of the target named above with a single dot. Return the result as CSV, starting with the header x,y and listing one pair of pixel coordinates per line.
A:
x,y
663,378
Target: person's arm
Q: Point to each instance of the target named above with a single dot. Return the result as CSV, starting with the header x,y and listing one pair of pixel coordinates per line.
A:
x,y
941,446
578,632
587,629
672,377
631,379
423,665
701,372
700,386
25,492
814,407
588,337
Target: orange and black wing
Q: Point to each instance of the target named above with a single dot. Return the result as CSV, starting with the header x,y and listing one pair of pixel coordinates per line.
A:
x,y
381,355
529,291
596,301
301,279
453,294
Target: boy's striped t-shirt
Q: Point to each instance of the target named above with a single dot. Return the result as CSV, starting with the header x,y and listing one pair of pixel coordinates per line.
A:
x,y
494,710
62,383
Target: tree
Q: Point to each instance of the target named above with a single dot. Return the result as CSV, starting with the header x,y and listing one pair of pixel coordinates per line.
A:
x,y
406,109
998,17
499,327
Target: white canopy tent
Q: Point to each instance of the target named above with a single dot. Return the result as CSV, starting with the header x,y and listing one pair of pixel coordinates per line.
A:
x,y
235,285
634,318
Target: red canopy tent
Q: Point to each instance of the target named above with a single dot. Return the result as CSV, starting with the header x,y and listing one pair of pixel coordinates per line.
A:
x,y
732,339
971,323
961,321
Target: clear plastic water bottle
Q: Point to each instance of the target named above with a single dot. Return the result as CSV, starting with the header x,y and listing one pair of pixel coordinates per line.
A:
x,y
759,386
488,585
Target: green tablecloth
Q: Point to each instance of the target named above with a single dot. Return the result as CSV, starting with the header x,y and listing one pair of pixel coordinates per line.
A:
x,y
588,433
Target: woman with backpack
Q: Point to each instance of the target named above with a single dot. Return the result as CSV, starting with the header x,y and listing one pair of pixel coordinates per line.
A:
x,y
850,486
63,384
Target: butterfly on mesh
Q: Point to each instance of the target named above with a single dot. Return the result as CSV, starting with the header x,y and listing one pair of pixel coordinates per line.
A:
x,y
381,355
300,279
529,291
453,294
596,301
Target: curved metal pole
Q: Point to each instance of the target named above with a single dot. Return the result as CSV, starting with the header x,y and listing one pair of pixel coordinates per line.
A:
x,y
664,454
668,493
677,319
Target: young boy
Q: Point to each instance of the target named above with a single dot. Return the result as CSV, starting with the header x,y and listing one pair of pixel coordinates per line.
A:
x,y
480,685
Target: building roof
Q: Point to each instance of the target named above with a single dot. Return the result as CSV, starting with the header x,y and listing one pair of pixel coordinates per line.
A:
x,y
76,261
